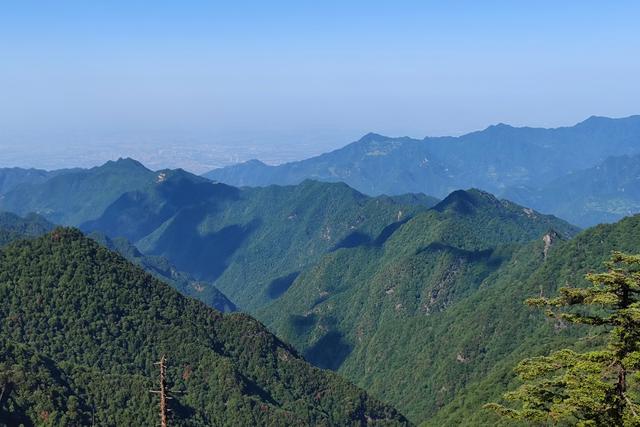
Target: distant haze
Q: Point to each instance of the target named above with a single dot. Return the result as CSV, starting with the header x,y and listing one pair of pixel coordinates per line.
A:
x,y
286,80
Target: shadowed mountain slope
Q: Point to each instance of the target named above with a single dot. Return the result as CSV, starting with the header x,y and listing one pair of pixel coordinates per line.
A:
x,y
247,241
13,227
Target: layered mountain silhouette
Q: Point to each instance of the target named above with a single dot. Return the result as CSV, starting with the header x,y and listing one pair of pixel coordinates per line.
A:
x,y
247,241
417,301
496,159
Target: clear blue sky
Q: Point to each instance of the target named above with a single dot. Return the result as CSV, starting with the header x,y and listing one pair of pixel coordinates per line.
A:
x,y
396,67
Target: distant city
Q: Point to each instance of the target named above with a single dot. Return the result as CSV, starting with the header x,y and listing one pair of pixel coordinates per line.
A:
x,y
195,153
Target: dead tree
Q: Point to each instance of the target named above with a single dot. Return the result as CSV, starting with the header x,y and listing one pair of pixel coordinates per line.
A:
x,y
163,392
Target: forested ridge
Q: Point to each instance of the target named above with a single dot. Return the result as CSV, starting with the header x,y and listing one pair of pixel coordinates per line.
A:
x,y
81,328
13,227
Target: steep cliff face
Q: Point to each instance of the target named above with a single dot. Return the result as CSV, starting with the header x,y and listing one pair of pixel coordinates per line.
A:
x,y
549,240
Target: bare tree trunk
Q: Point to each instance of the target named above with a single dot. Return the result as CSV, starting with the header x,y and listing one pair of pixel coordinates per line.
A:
x,y
163,391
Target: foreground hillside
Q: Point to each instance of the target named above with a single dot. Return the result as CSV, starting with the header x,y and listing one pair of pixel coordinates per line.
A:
x,y
519,331
496,159
423,319
81,328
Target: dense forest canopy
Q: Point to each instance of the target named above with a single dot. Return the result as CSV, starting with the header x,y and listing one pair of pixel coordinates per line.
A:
x,y
82,327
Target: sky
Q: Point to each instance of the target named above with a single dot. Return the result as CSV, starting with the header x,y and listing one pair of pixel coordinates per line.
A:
x,y
326,71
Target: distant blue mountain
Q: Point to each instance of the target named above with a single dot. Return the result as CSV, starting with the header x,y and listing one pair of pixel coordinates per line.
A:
x,y
603,193
496,159
11,178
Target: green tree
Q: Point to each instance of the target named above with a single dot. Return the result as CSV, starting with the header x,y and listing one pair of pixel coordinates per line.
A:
x,y
595,388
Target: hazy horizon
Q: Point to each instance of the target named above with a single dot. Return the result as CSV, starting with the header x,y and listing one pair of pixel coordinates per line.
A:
x,y
161,150
287,80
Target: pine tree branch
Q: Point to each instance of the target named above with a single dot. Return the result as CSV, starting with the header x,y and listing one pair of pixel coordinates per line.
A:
x,y
630,405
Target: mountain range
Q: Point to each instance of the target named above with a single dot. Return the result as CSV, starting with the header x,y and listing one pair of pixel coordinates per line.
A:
x,y
414,299
501,159
73,196
433,321
251,242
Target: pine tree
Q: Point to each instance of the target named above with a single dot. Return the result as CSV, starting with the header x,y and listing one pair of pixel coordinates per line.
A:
x,y
595,388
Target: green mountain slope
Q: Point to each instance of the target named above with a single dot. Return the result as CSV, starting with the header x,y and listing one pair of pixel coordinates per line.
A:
x,y
251,242
81,328
380,314
499,314
13,227
493,159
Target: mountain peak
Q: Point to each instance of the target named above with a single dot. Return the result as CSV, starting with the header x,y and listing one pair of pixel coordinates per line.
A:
x,y
466,201
500,127
595,121
65,235
124,162
371,136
